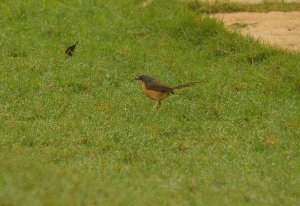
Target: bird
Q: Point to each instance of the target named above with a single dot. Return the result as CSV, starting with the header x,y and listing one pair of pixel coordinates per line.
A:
x,y
70,50
158,91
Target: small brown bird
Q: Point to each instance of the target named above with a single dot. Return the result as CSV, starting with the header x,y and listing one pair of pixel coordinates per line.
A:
x,y
70,50
158,91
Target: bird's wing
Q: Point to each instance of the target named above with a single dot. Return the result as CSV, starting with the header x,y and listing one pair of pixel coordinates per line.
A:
x,y
71,48
158,86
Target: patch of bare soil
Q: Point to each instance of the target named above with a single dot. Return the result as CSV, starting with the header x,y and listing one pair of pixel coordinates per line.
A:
x,y
251,1
276,28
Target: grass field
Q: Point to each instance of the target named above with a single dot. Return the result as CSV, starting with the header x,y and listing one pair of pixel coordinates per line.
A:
x,y
79,131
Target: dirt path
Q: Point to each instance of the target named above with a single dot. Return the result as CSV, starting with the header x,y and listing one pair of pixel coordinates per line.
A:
x,y
252,1
277,28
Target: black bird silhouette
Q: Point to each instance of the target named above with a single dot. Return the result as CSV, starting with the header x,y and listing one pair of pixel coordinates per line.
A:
x,y
70,50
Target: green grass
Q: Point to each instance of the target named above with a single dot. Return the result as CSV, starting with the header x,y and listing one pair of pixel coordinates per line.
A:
x,y
265,6
79,131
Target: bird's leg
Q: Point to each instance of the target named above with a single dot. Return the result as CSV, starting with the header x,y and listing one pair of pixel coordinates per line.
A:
x,y
157,105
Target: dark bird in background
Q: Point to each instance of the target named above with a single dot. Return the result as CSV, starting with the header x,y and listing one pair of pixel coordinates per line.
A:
x,y
158,91
70,50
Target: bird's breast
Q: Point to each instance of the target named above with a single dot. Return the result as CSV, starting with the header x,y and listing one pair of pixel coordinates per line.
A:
x,y
155,95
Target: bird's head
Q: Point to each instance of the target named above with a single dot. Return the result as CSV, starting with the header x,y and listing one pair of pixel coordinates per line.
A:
x,y
144,78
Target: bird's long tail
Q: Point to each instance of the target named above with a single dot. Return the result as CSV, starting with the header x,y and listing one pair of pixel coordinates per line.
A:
x,y
185,85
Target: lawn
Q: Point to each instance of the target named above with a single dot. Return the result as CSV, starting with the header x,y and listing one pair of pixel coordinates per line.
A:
x,y
79,130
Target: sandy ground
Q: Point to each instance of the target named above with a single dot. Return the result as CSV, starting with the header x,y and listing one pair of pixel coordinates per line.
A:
x,y
251,1
276,28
